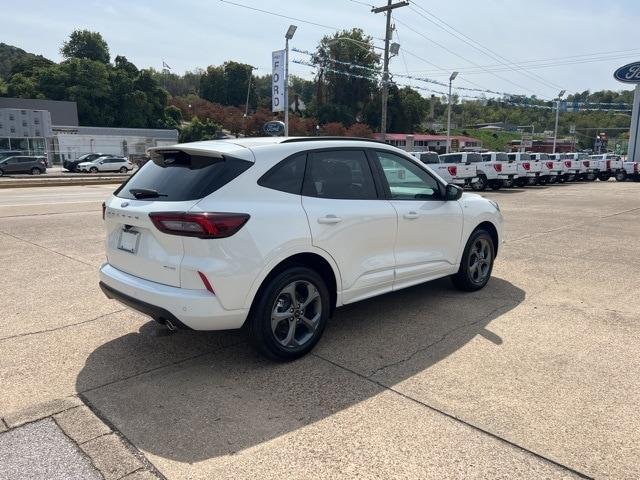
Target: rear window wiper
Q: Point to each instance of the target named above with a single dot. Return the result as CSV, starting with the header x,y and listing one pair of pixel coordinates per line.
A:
x,y
146,193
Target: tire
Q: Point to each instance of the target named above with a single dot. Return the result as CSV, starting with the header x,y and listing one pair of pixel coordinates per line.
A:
x,y
520,182
278,341
553,179
621,176
1,172
123,170
481,184
35,171
497,185
468,278
93,170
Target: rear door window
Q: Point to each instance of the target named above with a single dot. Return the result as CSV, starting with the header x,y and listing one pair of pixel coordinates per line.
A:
x,y
287,176
177,176
474,158
339,174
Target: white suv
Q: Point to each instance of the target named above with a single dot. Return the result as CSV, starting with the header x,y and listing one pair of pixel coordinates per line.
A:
x,y
107,163
277,232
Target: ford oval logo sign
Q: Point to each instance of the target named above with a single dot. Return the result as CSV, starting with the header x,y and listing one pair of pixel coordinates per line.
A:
x,y
629,73
273,128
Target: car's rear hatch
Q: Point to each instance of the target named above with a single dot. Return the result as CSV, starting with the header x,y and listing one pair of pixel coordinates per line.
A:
x,y
173,182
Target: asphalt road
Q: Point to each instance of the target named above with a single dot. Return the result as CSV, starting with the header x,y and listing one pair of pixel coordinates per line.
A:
x,y
536,376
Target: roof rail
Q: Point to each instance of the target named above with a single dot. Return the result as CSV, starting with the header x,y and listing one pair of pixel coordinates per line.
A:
x,y
314,139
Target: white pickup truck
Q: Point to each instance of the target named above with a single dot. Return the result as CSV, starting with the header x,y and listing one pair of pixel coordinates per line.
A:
x,y
528,170
570,166
452,167
632,170
609,165
551,169
587,170
496,171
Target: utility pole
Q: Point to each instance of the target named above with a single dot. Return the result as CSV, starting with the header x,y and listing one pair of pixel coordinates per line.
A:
x,y
385,71
451,79
288,36
555,131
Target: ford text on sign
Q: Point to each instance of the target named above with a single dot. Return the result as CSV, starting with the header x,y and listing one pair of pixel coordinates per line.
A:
x,y
277,81
629,73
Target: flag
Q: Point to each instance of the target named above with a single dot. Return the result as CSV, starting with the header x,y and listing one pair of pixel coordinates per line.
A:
x,y
164,65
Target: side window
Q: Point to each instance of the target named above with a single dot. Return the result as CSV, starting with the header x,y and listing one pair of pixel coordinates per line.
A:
x,y
406,180
286,176
455,158
339,174
511,156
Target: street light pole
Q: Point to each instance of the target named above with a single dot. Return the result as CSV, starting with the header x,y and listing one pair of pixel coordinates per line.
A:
x,y
555,131
246,105
288,36
451,79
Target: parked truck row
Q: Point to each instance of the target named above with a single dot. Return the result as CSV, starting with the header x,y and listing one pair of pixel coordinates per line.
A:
x,y
497,170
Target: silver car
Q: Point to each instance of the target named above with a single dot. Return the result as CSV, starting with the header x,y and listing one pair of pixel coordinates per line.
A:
x,y
107,163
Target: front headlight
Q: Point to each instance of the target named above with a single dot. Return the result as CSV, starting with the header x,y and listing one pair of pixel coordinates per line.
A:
x,y
495,204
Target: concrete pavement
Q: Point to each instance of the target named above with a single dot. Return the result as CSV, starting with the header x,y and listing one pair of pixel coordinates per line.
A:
x,y
536,376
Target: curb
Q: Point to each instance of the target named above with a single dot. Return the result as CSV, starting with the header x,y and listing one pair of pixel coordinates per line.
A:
x,y
60,183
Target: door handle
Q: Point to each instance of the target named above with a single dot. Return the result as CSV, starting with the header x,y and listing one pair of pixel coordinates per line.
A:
x,y
411,215
329,219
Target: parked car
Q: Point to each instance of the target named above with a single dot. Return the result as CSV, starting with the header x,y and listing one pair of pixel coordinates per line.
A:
x,y
196,238
609,165
458,168
528,170
35,165
632,169
585,169
72,165
551,169
107,163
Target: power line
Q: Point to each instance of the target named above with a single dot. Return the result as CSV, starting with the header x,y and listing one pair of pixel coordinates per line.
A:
x,y
460,56
481,48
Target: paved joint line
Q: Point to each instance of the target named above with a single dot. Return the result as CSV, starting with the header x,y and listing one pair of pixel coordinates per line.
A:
x,y
26,334
159,367
3,422
147,465
458,420
44,214
569,227
46,248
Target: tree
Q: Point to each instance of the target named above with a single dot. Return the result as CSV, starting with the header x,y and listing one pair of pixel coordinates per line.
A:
x,y
173,116
360,130
86,44
197,130
348,69
333,129
21,86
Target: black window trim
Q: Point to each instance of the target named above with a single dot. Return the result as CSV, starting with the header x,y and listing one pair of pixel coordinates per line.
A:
x,y
266,174
379,187
379,176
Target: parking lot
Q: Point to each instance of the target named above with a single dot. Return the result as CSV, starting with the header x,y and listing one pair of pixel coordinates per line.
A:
x,y
536,376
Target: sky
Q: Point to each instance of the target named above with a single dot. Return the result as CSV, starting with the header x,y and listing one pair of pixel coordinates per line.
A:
x,y
520,35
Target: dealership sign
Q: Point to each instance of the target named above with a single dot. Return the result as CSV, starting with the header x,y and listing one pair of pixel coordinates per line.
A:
x,y
629,73
277,81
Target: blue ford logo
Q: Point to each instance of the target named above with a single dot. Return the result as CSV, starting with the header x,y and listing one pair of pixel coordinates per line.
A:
x,y
629,73
273,128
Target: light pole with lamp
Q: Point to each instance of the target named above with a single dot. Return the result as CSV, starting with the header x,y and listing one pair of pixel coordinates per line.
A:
x,y
555,131
288,36
451,79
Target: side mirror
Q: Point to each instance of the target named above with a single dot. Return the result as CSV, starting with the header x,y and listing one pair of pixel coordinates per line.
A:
x,y
453,192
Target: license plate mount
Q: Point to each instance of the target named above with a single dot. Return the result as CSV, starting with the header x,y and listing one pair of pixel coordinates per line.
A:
x,y
128,241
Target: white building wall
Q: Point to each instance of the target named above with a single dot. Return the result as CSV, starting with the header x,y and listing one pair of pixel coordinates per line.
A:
x,y
71,146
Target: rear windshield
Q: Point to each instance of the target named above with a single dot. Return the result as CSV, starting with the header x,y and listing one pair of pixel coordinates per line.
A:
x,y
474,158
429,158
177,176
451,158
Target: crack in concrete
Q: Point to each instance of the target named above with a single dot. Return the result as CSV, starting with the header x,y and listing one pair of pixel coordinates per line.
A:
x,y
45,214
46,248
26,334
441,339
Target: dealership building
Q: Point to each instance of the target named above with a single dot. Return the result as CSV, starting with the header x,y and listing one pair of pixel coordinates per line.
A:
x,y
48,127
418,142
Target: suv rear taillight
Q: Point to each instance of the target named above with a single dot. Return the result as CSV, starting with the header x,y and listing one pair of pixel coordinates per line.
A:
x,y
608,164
497,167
567,163
550,165
201,225
526,165
453,170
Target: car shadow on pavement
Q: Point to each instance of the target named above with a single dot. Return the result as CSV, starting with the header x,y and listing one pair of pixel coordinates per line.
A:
x,y
231,399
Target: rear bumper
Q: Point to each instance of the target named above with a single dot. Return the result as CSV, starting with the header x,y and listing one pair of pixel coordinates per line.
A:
x,y
192,309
